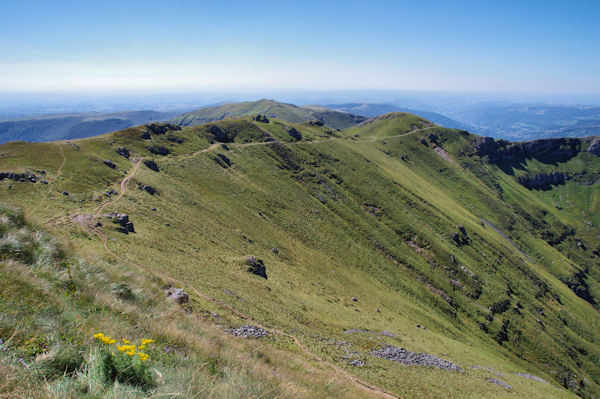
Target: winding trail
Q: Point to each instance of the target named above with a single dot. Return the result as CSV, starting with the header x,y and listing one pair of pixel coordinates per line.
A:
x,y
361,384
123,187
58,172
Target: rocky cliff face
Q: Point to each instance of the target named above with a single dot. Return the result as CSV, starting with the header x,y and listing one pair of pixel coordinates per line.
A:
x,y
544,180
594,147
553,150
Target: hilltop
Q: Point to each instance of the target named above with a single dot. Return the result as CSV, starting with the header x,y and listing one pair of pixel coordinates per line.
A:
x,y
271,109
404,258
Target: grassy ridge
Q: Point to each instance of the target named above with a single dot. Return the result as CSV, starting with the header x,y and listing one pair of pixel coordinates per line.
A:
x,y
271,109
367,217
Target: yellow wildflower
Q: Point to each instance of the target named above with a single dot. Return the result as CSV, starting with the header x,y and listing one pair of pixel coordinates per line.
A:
x,y
98,335
125,341
130,353
141,346
121,348
146,341
143,356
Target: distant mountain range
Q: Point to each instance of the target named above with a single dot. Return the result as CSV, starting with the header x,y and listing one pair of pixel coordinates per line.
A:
x,y
515,122
372,110
76,125
335,119
528,122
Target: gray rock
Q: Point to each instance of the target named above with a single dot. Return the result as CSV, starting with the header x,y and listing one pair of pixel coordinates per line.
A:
x,y
408,358
178,295
500,383
124,152
257,266
531,377
110,164
295,134
151,165
248,331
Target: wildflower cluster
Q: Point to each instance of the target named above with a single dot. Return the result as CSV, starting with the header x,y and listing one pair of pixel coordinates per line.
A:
x,y
105,339
127,348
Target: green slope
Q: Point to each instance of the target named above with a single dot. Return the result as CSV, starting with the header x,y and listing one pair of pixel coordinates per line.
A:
x,y
362,222
271,109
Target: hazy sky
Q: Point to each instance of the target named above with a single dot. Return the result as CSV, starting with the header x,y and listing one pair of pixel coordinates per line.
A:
x,y
175,45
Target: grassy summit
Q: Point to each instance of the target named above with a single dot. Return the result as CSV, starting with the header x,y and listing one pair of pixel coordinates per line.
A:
x,y
394,232
271,109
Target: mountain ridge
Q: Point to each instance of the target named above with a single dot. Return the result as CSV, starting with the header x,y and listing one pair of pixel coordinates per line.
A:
x,y
392,225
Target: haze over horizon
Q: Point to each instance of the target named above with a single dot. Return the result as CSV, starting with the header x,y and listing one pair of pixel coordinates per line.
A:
x,y
183,46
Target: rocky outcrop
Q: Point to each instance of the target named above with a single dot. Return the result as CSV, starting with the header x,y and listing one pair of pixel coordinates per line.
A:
x,y
221,134
109,163
594,147
543,180
150,164
256,266
316,122
261,118
161,128
158,150
295,134
174,139
553,150
26,177
223,161
578,284
124,152
122,219
149,189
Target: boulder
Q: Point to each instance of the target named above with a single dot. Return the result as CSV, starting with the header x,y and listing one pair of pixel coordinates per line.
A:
x,y
256,266
261,118
161,128
178,295
150,164
174,139
295,134
124,152
316,122
158,150
145,136
220,134
109,163
150,190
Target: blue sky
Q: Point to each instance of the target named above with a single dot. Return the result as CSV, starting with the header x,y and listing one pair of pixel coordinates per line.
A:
x,y
183,45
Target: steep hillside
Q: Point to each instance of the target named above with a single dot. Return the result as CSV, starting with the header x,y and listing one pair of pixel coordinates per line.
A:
x,y
347,246
270,109
74,126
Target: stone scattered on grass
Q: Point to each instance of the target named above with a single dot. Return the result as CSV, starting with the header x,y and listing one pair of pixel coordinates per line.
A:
x,y
248,331
408,358
178,295
531,377
499,383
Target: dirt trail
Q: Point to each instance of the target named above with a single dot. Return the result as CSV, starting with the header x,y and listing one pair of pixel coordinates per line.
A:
x,y
123,186
58,171
241,145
